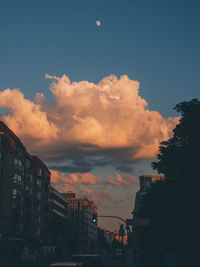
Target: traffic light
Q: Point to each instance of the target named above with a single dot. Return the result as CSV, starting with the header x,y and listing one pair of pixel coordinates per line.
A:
x,y
94,218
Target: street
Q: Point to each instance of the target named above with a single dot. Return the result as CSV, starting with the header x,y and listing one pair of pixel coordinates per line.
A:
x,y
109,260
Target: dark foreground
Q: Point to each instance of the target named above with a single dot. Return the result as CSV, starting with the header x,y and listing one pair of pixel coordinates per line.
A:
x,y
109,260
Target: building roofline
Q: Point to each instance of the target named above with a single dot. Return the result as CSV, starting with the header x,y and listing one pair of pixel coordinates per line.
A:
x,y
4,128
39,163
58,193
157,176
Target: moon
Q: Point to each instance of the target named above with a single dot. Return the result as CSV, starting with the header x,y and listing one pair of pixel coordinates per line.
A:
x,y
98,23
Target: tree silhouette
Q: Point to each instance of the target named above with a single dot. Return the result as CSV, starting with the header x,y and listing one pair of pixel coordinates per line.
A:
x,y
173,205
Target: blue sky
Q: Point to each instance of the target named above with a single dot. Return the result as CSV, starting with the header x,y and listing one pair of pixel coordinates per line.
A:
x,y
154,42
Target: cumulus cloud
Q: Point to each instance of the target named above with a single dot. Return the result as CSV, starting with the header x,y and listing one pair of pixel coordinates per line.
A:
x,y
74,178
87,120
26,118
98,196
77,182
122,180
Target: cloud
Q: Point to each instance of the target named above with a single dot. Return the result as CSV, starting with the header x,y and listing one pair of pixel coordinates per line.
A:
x,y
122,180
74,178
98,196
77,182
81,165
109,120
26,118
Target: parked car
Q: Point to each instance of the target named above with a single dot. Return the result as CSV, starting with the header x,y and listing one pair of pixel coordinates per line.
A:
x,y
68,264
91,260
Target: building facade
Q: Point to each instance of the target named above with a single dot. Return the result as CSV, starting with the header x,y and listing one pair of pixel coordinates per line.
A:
x,y
24,190
58,216
82,223
145,184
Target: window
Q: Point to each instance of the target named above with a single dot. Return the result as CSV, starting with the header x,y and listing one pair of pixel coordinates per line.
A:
x,y
38,218
37,232
29,177
28,164
30,191
38,182
17,163
39,172
17,179
38,195
14,193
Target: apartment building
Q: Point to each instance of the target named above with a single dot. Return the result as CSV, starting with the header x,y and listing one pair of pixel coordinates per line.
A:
x,y
81,223
24,189
58,220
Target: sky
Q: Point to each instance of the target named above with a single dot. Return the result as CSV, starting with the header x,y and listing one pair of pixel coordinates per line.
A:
x,y
94,99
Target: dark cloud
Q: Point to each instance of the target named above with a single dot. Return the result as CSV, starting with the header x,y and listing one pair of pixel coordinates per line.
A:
x,y
76,166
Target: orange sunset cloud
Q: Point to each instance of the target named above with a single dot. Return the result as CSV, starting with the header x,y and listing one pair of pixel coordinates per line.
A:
x,y
122,180
85,119
74,178
76,182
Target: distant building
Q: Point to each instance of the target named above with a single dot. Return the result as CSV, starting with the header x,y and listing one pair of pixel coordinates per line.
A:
x,y
145,184
81,223
58,224
24,190
109,237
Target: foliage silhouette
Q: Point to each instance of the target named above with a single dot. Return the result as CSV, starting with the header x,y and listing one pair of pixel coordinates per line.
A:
x,y
172,205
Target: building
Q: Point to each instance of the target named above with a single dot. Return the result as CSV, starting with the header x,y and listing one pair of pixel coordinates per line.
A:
x,y
145,184
140,224
24,190
58,224
109,237
82,223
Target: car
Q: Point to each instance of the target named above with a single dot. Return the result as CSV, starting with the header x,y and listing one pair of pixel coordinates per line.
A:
x,y
68,264
91,260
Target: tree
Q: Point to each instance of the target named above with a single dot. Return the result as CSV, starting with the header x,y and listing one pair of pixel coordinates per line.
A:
x,y
179,156
173,205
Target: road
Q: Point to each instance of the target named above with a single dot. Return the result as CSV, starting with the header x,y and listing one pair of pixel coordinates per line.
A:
x,y
109,261
113,261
